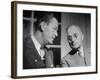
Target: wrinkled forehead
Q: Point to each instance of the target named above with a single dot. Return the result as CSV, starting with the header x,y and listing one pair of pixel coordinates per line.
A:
x,y
74,30
54,21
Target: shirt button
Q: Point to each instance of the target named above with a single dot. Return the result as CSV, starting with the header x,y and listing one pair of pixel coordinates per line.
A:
x,y
35,60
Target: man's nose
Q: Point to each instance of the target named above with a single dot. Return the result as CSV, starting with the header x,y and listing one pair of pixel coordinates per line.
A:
x,y
73,39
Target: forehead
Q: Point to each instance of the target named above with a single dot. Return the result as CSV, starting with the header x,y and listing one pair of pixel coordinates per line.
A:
x,y
54,21
73,30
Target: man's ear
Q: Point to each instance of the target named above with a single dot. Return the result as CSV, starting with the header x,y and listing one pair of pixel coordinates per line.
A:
x,y
42,26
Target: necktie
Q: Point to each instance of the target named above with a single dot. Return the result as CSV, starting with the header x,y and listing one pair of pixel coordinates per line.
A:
x,y
42,53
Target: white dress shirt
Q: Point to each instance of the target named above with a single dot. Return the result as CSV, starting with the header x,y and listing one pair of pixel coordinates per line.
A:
x,y
38,46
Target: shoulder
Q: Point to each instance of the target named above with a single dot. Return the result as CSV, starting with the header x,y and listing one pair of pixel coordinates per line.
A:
x,y
87,52
65,60
29,47
27,42
66,57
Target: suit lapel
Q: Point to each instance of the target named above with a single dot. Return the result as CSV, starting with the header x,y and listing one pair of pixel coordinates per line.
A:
x,y
35,54
87,57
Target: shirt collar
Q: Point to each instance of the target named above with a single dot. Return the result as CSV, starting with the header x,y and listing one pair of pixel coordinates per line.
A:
x,y
36,43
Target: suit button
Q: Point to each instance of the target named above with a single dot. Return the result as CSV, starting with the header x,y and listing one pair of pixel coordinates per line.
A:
x,y
51,65
35,60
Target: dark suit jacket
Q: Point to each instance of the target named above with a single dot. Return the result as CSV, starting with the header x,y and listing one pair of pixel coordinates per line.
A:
x,y
76,61
31,58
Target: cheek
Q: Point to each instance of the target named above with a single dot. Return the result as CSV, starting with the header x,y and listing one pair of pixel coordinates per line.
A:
x,y
79,41
50,33
47,35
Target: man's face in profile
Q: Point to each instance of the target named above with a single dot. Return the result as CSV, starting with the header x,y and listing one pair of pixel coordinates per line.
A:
x,y
75,37
50,31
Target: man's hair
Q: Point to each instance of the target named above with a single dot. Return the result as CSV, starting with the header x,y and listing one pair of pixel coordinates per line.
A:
x,y
42,16
76,26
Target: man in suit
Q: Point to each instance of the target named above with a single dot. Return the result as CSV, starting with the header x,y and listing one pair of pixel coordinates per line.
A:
x,y
35,52
78,56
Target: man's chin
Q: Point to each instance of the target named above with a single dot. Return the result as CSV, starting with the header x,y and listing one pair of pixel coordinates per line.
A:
x,y
74,47
50,42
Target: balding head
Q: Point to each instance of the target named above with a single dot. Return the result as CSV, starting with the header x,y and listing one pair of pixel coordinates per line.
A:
x,y
75,36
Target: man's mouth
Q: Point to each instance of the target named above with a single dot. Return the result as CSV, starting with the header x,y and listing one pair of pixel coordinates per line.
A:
x,y
53,37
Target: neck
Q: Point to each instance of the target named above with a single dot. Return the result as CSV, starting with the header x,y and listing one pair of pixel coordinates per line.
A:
x,y
79,48
39,37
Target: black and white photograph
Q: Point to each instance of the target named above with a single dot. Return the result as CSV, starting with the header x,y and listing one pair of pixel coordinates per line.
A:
x,y
74,43
53,39
40,43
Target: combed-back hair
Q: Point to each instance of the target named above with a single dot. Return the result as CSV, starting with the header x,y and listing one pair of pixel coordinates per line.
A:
x,y
42,16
